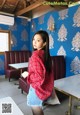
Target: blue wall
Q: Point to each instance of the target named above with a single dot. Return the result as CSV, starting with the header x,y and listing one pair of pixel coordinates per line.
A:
x,y
20,32
65,39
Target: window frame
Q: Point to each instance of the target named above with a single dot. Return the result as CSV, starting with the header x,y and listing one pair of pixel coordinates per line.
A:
x,y
9,41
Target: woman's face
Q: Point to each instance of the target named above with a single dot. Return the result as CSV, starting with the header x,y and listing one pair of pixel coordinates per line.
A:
x,y
38,42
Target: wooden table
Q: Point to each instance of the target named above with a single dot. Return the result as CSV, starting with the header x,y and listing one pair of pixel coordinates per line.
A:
x,y
69,86
19,66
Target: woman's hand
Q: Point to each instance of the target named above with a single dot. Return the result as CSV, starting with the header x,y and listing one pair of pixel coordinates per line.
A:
x,y
24,74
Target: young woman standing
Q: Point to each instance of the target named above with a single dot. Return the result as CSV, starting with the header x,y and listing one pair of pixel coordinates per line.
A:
x,y
40,75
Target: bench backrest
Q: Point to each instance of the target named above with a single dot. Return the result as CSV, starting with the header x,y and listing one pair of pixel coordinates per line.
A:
x,y
16,57
59,67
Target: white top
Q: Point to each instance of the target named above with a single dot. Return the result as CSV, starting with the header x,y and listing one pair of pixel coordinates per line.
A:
x,y
8,105
69,85
19,65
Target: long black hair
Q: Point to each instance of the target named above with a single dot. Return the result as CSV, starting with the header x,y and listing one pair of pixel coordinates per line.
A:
x,y
47,58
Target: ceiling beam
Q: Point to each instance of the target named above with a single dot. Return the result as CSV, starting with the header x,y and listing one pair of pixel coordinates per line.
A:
x,y
29,8
16,4
4,1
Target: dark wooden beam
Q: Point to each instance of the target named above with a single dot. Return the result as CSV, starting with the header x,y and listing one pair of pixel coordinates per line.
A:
x,y
3,2
29,8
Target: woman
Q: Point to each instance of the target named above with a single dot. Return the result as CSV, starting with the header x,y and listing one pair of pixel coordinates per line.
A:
x,y
40,75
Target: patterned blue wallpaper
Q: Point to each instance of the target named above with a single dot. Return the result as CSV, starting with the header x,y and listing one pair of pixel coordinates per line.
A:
x,y
65,39
19,35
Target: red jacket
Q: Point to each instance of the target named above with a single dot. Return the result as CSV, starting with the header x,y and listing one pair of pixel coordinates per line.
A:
x,y
38,78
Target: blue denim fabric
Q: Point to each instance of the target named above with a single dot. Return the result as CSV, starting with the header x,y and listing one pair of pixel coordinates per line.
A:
x,y
32,98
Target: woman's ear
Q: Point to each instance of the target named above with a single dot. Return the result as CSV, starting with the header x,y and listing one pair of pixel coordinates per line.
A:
x,y
44,44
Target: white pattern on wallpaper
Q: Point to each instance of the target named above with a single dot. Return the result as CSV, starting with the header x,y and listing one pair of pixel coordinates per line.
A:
x,y
51,42
75,65
61,51
33,26
13,28
1,64
24,35
41,19
14,41
63,14
24,47
41,29
76,42
50,23
76,18
24,22
62,33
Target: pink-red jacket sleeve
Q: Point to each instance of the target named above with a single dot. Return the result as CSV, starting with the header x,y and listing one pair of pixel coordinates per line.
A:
x,y
36,72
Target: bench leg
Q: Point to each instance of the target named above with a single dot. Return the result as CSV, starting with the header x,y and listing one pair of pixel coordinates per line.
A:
x,y
21,91
9,79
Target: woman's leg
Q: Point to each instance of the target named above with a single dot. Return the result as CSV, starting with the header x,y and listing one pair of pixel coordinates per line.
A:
x,y
37,110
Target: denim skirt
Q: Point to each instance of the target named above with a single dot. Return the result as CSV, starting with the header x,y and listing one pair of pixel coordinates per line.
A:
x,y
32,98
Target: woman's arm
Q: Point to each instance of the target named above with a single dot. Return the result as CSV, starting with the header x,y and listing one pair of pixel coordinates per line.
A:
x,y
37,76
